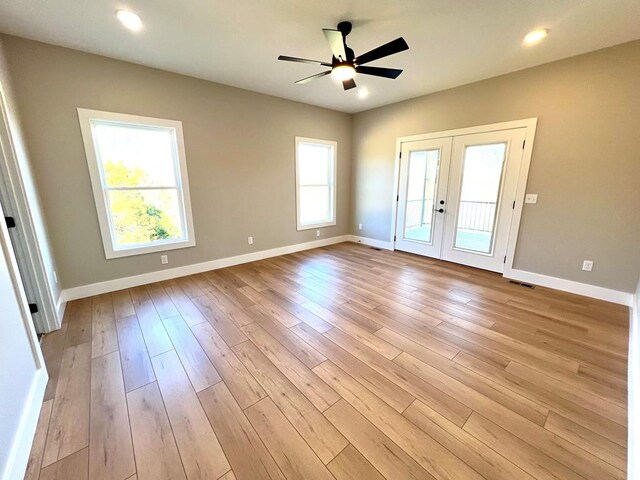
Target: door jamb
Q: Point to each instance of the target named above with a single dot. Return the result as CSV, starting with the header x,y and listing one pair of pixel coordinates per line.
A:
x,y
530,124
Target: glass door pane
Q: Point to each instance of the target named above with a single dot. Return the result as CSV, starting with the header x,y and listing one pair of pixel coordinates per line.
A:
x,y
482,170
422,188
422,182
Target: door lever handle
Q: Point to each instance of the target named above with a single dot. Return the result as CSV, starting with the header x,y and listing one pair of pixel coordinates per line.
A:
x,y
440,210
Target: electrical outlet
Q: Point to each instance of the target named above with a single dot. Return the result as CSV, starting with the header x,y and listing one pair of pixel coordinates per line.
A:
x,y
317,233
164,259
359,226
250,240
531,198
587,265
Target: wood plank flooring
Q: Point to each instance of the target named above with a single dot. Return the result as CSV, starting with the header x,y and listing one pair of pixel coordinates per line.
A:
x,y
343,362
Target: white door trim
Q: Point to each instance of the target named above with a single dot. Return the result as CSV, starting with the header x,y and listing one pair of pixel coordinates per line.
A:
x,y
28,253
529,123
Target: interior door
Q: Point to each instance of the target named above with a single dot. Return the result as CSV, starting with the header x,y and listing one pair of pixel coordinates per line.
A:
x,y
480,201
23,377
424,171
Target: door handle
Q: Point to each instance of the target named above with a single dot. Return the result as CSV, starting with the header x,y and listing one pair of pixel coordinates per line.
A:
x,y
440,210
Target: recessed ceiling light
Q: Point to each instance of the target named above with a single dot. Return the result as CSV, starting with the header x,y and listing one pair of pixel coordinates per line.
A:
x,y
363,92
129,19
535,36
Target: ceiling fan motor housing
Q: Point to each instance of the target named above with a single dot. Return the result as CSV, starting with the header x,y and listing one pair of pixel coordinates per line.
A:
x,y
349,61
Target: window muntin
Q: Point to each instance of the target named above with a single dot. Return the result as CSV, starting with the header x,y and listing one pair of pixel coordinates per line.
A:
x,y
315,183
139,178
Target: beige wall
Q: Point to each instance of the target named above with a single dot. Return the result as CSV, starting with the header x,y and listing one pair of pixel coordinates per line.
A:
x,y
239,147
585,166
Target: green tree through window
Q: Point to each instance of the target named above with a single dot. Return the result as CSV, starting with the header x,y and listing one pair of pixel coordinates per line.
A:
x,y
139,216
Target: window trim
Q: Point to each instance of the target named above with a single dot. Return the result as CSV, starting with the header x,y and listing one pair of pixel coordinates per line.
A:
x,y
85,116
332,186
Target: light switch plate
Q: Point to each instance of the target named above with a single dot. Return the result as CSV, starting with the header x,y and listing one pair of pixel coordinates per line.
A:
x,y
531,198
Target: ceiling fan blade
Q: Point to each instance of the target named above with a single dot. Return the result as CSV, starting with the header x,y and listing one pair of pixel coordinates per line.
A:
x,y
379,71
302,60
336,43
349,84
394,46
313,77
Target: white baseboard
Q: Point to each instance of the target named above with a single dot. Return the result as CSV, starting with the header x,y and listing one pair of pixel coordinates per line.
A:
x,y
21,447
633,400
371,242
83,291
61,306
160,275
601,293
609,295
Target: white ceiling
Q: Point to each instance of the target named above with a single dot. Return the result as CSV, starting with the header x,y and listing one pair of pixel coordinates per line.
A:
x,y
236,42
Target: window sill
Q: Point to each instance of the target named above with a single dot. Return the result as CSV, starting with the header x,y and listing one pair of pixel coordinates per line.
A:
x,y
316,225
129,252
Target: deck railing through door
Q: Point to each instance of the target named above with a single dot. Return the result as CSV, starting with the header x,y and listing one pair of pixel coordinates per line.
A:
x,y
477,216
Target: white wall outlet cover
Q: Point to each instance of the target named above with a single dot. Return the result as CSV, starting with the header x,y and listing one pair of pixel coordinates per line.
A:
x,y
164,259
359,226
587,265
531,198
250,240
317,233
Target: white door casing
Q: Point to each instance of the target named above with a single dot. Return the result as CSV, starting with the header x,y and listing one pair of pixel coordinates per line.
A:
x,y
30,253
518,187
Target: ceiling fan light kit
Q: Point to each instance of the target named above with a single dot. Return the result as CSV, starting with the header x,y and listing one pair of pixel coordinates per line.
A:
x,y
344,64
343,72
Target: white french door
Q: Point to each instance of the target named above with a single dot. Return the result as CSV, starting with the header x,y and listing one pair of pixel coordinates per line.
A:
x,y
456,196
424,172
481,196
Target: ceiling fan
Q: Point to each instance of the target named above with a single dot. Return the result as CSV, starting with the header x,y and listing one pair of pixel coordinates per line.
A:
x,y
344,64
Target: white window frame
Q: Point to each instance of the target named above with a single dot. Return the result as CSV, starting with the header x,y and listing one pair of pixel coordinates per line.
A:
x,y
100,189
332,185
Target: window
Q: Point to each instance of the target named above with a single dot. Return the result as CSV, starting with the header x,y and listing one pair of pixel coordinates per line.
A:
x,y
139,178
315,183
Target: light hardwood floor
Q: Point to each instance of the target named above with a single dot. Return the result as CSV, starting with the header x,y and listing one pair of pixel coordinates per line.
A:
x,y
343,362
